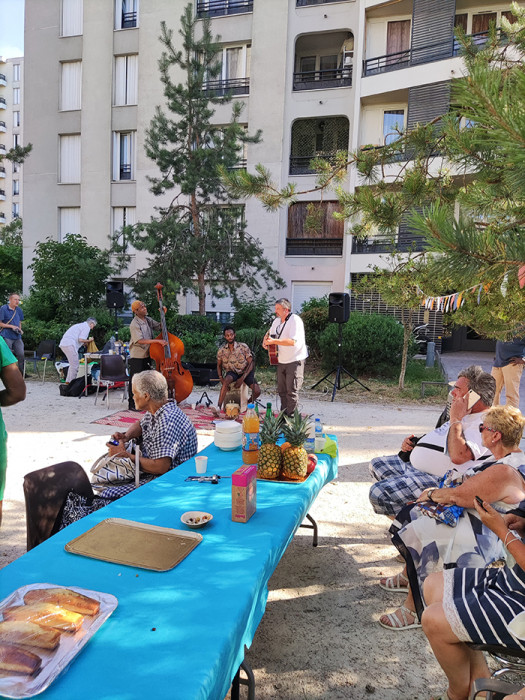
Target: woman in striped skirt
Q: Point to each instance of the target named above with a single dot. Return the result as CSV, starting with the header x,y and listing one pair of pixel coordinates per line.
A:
x,y
477,606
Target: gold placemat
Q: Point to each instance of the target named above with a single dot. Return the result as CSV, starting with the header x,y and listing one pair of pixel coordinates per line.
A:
x,y
135,544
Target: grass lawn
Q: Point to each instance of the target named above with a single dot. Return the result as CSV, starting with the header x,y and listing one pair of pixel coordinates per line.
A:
x,y
383,389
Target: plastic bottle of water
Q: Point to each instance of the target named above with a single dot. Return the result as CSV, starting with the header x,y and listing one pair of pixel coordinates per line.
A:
x,y
319,439
309,443
112,344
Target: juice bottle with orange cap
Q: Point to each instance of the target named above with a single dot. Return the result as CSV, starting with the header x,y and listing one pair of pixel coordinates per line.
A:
x,y
250,436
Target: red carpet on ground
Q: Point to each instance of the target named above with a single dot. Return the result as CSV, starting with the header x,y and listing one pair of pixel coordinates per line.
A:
x,y
202,418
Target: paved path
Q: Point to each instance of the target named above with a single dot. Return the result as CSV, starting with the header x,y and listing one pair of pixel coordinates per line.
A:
x,y
454,362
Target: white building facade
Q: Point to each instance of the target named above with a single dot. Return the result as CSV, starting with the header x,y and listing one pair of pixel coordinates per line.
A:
x,y
11,134
315,76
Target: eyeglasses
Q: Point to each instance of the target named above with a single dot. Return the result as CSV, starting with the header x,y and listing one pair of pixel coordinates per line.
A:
x,y
486,427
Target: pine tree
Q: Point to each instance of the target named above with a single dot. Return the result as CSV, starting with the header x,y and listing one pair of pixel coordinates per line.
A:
x,y
198,240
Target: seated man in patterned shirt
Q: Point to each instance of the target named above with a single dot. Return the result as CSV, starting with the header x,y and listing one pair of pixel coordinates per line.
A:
x,y
236,360
168,436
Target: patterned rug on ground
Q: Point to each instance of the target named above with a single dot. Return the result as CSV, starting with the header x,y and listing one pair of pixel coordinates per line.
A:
x,y
202,418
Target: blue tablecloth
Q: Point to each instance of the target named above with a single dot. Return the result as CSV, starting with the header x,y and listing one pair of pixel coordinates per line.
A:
x,y
178,634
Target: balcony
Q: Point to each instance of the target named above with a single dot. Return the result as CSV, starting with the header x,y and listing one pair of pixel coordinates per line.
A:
x,y
314,246
302,165
125,171
2,217
306,3
3,126
402,243
220,8
3,79
322,79
3,149
227,88
3,103
2,195
421,55
2,171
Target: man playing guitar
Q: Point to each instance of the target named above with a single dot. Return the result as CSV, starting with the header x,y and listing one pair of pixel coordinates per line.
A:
x,y
287,336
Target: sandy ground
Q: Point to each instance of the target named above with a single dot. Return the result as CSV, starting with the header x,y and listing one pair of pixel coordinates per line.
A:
x,y
319,637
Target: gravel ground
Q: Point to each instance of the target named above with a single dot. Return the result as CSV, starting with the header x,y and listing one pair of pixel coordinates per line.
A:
x,y
319,637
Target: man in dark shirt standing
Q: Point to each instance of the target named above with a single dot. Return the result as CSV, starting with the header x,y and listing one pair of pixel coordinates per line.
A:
x,y
507,370
11,317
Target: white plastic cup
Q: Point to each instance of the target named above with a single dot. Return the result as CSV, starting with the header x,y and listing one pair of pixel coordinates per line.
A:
x,y
201,464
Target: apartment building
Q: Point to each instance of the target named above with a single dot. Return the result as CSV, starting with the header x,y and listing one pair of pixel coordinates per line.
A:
x,y
314,76
11,134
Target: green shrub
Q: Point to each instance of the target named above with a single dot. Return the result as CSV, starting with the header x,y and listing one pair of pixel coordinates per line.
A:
x,y
188,323
200,347
253,313
315,303
253,338
35,331
371,343
315,320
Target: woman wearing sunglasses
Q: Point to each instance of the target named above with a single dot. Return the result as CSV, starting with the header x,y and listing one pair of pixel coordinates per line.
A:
x,y
429,545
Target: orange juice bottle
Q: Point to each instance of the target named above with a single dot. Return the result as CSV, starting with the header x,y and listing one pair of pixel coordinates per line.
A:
x,y
250,436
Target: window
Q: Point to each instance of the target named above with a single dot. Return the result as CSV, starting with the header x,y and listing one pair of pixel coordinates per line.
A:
x,y
16,72
68,222
16,167
16,210
69,159
123,216
16,140
16,119
16,186
126,14
16,96
393,120
234,77
72,11
70,85
123,155
320,138
125,89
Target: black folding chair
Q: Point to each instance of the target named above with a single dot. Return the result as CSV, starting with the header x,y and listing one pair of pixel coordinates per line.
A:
x,y
45,351
112,370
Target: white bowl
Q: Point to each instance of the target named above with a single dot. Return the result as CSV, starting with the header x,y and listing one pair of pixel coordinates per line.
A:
x,y
196,518
228,427
228,442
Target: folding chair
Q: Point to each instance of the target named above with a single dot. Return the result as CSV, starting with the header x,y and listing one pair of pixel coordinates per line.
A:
x,y
494,688
45,351
45,491
112,370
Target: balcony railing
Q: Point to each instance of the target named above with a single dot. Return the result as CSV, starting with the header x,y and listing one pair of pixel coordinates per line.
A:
x,y
3,103
305,3
2,171
2,126
2,194
2,148
222,88
218,8
420,55
3,78
2,217
129,20
314,246
301,165
125,172
321,79
385,244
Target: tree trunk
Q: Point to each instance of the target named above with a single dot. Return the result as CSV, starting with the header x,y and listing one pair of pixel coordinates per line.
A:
x,y
202,293
407,328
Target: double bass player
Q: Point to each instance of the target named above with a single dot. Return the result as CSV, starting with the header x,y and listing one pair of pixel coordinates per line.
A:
x,y
142,329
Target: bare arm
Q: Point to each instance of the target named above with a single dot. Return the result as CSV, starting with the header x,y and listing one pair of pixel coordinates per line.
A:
x,y
15,387
458,449
497,483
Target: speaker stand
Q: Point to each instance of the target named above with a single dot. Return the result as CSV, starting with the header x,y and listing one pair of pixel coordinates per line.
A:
x,y
339,370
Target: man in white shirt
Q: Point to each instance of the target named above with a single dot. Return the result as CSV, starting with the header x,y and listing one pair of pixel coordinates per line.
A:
x,y
287,334
454,445
73,338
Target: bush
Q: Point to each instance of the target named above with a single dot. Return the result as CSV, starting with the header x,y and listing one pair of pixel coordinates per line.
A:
x,y
180,325
371,343
252,314
200,347
35,331
315,303
315,321
253,338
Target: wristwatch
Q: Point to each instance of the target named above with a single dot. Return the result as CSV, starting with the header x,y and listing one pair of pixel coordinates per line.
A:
x,y
429,494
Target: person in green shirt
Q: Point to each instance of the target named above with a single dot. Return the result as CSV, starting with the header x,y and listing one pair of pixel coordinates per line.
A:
x,y
14,392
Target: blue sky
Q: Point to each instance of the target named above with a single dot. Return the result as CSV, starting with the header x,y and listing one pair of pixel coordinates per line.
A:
x,y
11,28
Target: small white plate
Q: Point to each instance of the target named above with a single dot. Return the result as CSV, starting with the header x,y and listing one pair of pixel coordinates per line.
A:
x,y
196,518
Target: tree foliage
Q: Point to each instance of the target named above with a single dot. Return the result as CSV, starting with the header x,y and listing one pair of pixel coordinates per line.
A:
x,y
198,239
11,258
68,279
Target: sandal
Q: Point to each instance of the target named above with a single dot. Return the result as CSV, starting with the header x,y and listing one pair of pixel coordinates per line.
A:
x,y
403,622
399,583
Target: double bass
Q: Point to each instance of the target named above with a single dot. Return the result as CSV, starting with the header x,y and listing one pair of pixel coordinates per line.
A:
x,y
168,358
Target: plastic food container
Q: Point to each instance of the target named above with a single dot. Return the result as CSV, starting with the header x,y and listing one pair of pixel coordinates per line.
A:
x,y
228,435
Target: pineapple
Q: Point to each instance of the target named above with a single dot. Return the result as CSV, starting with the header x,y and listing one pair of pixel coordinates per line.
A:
x,y
295,458
269,463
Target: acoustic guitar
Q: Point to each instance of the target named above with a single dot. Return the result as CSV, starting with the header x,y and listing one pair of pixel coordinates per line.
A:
x,y
273,353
